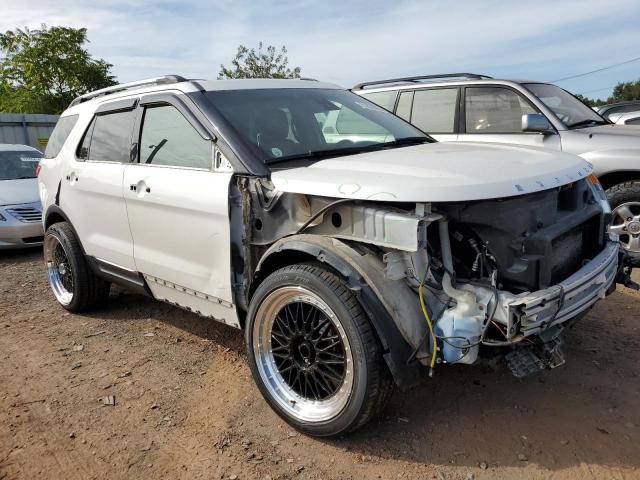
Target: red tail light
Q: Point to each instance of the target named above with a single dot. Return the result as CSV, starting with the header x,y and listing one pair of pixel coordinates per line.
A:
x,y
38,170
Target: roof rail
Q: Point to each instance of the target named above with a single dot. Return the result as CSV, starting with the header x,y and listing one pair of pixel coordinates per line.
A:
x,y
164,80
473,76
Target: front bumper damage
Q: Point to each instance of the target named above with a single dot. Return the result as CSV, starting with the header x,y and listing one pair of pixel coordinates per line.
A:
x,y
530,313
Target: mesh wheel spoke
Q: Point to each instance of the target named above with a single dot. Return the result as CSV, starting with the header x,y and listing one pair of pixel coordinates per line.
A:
x,y
308,351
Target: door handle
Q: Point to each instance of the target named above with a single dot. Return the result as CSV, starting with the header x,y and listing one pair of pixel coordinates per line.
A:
x,y
134,187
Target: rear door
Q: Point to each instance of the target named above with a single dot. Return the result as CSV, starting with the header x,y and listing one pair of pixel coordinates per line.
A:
x,y
432,110
91,190
493,114
178,207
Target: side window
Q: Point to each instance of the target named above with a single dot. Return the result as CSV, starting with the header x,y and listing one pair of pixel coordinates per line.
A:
x,y
59,135
169,139
404,106
108,138
386,100
434,110
633,121
494,110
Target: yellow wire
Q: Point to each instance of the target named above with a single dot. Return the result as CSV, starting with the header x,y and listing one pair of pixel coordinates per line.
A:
x,y
426,316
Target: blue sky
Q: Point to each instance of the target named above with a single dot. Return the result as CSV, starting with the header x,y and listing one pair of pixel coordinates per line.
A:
x,y
349,42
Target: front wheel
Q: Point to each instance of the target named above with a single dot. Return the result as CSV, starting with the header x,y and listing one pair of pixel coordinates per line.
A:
x,y
625,222
313,352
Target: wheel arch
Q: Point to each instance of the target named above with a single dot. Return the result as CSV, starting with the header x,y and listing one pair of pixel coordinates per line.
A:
x,y
305,248
53,215
610,179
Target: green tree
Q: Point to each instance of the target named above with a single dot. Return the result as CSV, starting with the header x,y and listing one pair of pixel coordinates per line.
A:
x,y
249,63
622,92
44,70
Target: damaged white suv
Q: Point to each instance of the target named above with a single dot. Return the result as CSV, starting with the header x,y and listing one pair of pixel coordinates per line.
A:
x,y
354,251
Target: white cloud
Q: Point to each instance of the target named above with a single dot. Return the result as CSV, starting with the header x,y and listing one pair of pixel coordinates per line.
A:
x,y
346,43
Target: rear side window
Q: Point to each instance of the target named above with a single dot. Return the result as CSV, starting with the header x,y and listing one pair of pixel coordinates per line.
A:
x,y
386,100
169,139
108,138
633,121
59,135
495,110
434,110
404,105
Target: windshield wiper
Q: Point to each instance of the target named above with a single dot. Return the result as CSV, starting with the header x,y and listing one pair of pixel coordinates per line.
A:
x,y
584,123
338,152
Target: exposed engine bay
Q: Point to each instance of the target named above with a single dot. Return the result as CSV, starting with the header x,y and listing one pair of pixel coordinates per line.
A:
x,y
456,276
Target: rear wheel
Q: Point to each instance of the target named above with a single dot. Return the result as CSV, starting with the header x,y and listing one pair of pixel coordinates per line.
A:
x,y
625,202
313,352
73,283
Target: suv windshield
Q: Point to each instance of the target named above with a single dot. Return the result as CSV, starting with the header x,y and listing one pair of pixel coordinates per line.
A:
x,y
569,110
293,123
18,165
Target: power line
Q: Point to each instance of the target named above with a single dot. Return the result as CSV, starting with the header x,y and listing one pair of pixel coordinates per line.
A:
x,y
597,90
596,71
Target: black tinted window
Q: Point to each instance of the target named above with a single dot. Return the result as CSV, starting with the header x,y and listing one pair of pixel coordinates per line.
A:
x,y
59,135
169,139
633,121
111,137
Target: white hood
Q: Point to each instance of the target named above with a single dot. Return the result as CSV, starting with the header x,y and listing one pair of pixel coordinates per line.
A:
x,y
13,192
436,172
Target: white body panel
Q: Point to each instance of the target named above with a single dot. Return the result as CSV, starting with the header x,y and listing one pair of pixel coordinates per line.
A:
x,y
436,172
91,196
181,235
551,141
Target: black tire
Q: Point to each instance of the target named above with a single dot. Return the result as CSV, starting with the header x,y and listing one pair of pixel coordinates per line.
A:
x,y
87,291
618,195
371,384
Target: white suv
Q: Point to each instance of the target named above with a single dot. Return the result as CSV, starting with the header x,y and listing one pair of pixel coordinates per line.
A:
x,y
467,107
352,264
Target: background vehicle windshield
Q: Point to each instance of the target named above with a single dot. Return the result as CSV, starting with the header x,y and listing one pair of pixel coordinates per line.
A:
x,y
17,165
292,122
569,110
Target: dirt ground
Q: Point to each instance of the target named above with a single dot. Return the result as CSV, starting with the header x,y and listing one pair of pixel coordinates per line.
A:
x,y
186,406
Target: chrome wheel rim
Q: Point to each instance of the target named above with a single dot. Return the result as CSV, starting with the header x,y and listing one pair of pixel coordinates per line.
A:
x,y
303,354
59,270
625,223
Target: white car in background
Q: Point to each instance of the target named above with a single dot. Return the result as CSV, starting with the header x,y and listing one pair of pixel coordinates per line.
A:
x,y
628,118
20,208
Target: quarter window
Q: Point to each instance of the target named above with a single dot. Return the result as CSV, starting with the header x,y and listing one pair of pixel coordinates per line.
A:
x,y
169,139
434,110
494,110
59,135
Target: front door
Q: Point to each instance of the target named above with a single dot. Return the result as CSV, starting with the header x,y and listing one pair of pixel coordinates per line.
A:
x,y
179,215
493,114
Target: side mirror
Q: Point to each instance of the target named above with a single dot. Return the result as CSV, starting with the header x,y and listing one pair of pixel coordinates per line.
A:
x,y
536,123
